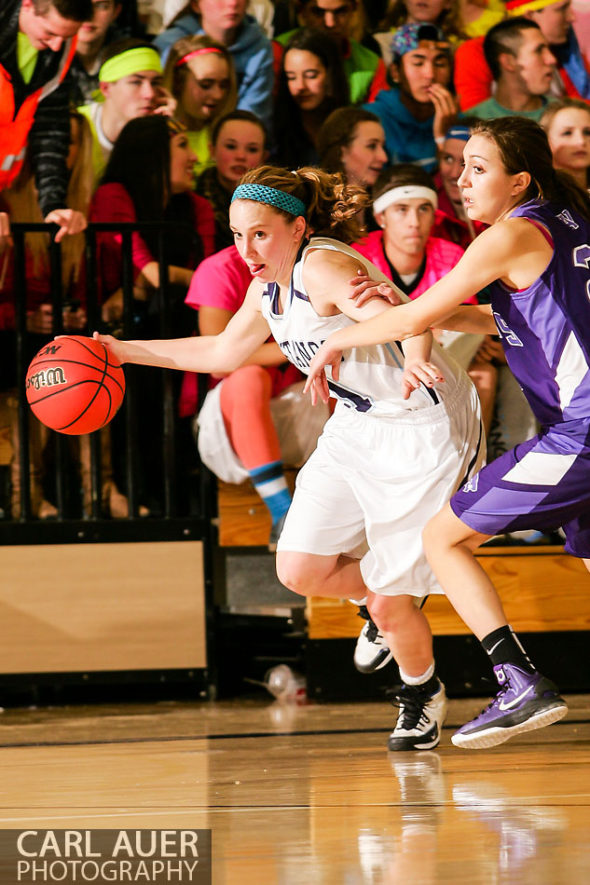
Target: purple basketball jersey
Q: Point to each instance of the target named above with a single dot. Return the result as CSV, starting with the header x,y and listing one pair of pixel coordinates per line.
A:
x,y
545,329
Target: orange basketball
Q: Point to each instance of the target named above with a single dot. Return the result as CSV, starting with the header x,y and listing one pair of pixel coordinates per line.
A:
x,y
75,385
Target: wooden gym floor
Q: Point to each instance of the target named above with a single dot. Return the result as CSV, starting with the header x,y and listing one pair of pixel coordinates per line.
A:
x,y
309,794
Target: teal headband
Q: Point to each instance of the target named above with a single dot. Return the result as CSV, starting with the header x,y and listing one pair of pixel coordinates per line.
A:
x,y
260,193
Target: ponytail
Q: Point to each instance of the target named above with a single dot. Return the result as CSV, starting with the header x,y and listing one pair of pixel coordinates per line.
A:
x,y
567,190
332,207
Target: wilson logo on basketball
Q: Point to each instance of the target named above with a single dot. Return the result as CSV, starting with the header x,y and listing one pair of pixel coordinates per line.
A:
x,y
90,395
47,378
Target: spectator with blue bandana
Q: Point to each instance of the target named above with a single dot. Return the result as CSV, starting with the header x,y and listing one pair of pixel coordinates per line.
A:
x,y
420,107
452,222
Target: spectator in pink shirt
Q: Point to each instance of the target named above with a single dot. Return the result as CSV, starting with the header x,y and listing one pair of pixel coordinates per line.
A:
x,y
256,419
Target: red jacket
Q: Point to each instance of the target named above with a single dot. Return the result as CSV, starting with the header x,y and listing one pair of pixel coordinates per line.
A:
x,y
112,203
473,78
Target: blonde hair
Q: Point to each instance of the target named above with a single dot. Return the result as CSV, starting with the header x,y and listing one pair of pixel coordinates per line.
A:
x,y
175,76
332,206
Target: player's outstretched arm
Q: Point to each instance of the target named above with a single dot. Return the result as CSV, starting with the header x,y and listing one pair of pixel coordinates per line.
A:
x,y
244,333
491,256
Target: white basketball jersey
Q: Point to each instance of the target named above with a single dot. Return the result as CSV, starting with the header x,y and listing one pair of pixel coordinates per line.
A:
x,y
370,377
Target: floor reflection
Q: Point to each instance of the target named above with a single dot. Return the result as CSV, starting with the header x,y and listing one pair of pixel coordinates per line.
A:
x,y
524,834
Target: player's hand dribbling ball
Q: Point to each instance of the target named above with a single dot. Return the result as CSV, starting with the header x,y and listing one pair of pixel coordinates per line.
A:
x,y
75,385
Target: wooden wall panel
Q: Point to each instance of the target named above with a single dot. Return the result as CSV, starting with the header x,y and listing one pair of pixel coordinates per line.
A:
x,y
92,607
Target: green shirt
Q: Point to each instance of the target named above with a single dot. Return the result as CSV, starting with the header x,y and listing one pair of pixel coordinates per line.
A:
x,y
360,66
26,55
199,142
491,110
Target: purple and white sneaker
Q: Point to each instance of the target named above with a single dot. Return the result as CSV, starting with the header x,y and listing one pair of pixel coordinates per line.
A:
x,y
525,701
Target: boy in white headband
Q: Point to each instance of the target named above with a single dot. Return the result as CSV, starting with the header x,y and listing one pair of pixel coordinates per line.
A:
x,y
405,207
130,85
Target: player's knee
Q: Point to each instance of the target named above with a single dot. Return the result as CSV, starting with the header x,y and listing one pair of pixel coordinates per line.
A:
x,y
296,573
391,613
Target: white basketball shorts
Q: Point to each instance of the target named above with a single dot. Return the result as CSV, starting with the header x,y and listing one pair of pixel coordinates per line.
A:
x,y
375,482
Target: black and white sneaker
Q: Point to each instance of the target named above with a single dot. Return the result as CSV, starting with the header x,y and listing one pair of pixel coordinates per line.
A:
x,y
422,711
371,652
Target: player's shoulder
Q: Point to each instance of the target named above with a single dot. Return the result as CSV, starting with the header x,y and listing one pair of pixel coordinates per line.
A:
x,y
255,292
334,262
503,236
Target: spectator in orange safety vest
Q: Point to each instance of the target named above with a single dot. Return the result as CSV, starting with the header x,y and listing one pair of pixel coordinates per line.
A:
x,y
37,44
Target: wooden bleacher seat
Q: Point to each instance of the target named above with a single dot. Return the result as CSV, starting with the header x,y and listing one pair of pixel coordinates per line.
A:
x,y
542,589
243,519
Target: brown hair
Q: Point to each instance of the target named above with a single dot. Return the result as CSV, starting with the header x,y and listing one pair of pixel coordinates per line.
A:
x,y
176,77
124,44
524,147
337,132
505,38
332,205
238,114
72,10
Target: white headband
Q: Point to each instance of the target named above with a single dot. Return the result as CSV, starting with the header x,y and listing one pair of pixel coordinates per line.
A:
x,y
405,192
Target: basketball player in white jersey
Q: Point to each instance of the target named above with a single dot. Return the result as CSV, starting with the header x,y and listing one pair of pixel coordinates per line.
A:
x,y
405,434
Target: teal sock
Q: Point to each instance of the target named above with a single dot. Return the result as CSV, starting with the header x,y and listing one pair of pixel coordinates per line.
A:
x,y
270,483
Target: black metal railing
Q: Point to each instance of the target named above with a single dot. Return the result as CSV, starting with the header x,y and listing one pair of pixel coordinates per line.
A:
x,y
164,401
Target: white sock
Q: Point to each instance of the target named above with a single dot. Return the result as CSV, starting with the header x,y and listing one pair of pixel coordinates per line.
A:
x,y
417,680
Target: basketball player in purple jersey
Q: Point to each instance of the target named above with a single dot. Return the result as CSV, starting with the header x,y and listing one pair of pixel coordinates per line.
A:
x,y
535,260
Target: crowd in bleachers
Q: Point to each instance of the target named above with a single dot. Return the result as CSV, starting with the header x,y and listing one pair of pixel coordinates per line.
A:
x,y
152,112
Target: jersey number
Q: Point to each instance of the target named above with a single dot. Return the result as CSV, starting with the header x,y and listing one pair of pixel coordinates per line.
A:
x,y
504,331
